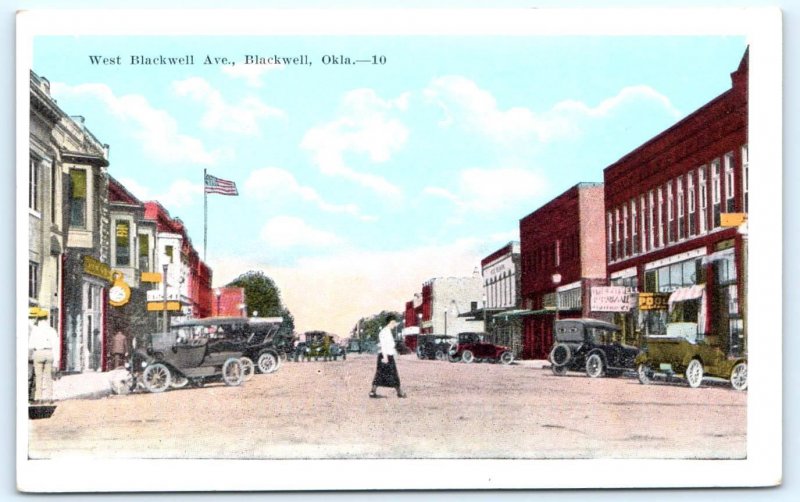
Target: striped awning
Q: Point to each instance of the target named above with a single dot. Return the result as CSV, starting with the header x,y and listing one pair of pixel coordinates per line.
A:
x,y
688,293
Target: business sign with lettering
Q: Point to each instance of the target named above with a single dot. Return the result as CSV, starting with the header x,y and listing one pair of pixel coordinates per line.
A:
x,y
610,299
653,301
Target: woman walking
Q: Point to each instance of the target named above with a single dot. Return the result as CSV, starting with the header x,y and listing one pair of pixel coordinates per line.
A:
x,y
386,372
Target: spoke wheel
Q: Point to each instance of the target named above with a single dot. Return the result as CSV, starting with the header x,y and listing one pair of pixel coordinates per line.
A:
x,y
420,355
506,357
559,370
178,381
645,374
232,373
267,362
594,366
467,356
248,368
561,354
694,373
440,355
739,376
156,378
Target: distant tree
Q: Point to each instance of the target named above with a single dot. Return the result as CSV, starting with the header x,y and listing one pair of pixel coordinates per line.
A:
x,y
371,326
264,297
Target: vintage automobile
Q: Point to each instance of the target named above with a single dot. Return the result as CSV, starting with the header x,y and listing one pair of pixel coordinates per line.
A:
x,y
693,358
262,348
433,346
590,345
471,347
174,359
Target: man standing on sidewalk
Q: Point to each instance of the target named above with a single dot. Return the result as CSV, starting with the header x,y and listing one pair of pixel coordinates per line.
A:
x,y
41,342
119,347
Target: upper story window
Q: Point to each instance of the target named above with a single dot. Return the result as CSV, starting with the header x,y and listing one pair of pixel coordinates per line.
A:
x,y
144,252
642,233
625,230
634,228
660,217
681,209
651,234
77,198
692,204
729,184
618,248
701,178
33,279
169,251
745,187
34,184
609,237
670,213
716,193
123,243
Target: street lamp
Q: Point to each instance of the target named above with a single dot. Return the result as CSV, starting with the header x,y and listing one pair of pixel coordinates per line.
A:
x,y
218,293
166,267
556,282
485,328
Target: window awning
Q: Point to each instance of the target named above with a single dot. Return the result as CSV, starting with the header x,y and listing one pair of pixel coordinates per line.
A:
x,y
688,293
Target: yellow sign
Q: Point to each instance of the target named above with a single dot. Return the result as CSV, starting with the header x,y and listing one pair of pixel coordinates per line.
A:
x,y
159,306
653,301
732,219
151,277
95,267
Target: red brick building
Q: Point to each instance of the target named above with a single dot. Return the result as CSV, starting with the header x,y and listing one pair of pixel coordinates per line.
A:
x,y
562,257
666,203
228,301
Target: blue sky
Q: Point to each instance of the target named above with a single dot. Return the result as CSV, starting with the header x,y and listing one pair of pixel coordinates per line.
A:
x,y
359,182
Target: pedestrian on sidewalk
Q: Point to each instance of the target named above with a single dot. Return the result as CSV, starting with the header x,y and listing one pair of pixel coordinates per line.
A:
x,y
386,372
42,341
119,348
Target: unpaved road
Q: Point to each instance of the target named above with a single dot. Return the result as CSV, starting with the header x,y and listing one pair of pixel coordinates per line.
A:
x,y
322,410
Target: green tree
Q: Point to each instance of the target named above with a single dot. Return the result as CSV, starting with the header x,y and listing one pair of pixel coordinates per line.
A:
x,y
264,297
371,326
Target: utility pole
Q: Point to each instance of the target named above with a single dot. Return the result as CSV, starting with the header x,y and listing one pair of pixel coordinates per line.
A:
x,y
165,298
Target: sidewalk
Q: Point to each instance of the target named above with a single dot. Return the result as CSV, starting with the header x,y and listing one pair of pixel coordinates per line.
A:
x,y
87,385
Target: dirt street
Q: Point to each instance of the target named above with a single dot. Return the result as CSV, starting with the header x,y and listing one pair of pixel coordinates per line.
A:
x,y
479,410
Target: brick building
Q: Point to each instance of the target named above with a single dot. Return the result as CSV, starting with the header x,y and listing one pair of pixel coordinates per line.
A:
x,y
562,257
667,203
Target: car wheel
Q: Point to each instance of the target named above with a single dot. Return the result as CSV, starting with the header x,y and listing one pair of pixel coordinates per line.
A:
x,y
694,373
739,376
506,357
440,355
559,370
267,362
232,373
594,366
561,354
178,381
645,374
248,368
420,355
467,356
156,378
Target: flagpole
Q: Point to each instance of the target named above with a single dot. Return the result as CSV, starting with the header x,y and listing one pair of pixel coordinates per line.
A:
x,y
205,216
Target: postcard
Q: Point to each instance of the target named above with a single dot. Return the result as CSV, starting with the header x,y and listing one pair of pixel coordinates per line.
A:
x,y
398,249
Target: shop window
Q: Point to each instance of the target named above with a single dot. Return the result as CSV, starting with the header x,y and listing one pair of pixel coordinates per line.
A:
x,y
77,198
716,194
730,205
123,243
701,179
745,187
33,279
34,184
685,311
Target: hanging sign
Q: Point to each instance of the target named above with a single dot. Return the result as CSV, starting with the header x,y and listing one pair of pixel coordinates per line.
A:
x,y
610,299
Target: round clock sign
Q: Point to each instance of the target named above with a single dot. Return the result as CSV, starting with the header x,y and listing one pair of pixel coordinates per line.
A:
x,y
120,293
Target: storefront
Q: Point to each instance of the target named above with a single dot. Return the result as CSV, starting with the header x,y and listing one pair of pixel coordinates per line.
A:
x,y
86,289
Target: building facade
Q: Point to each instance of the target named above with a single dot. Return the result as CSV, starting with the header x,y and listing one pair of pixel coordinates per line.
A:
x,y
229,301
445,300
501,287
562,257
668,204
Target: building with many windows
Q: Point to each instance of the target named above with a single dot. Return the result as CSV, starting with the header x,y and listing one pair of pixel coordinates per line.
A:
x,y
445,300
562,258
501,286
671,212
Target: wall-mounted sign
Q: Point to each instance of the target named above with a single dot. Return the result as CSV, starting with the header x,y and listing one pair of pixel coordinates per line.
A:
x,y
610,299
95,267
653,301
159,306
151,277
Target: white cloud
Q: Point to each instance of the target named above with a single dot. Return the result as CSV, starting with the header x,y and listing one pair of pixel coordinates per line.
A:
x,y
490,190
272,182
288,231
251,73
364,127
240,118
332,292
156,129
180,193
464,102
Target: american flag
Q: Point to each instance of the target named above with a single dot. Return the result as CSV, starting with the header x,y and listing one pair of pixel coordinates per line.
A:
x,y
220,186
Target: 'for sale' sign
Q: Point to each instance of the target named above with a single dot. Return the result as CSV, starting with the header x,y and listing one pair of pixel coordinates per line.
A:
x,y
610,299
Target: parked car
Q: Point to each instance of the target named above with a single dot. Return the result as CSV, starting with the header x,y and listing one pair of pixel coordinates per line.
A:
x,y
693,358
433,346
592,346
471,347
